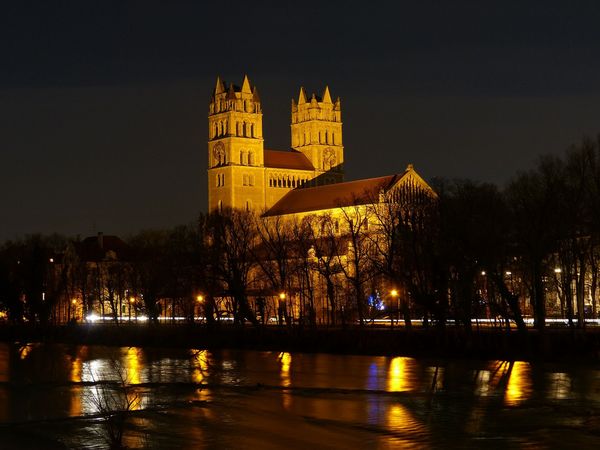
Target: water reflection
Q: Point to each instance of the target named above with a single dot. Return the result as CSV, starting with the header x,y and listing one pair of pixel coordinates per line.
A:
x,y
560,385
518,388
132,365
401,374
338,401
26,349
285,359
401,421
200,371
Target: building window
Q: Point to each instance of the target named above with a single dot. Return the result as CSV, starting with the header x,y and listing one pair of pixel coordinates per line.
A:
x,y
248,205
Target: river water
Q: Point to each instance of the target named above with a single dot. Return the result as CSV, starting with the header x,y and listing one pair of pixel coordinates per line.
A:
x,y
56,396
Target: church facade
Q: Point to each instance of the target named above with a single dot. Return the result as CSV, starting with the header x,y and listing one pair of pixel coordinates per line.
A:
x,y
308,178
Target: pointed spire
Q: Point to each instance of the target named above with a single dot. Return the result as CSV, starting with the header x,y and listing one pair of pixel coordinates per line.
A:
x,y
246,85
327,95
410,167
231,92
219,87
302,96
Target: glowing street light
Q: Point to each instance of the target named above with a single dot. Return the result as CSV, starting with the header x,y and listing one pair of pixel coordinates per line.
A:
x,y
131,303
558,270
282,296
394,294
199,298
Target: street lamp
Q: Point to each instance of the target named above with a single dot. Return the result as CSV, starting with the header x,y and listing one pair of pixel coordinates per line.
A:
x,y
281,306
131,304
74,303
394,294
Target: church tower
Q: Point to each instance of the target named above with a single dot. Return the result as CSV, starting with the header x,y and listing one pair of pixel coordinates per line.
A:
x,y
317,132
235,148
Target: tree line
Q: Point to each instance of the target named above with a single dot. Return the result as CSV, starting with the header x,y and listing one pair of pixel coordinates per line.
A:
x,y
474,251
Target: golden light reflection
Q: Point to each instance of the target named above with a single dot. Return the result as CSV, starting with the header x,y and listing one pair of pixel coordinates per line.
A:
x,y
75,376
488,380
285,359
519,386
200,361
132,365
26,349
560,385
437,377
400,374
399,418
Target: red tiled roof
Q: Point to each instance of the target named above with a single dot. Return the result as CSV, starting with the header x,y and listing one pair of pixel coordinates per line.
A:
x,y
287,160
330,196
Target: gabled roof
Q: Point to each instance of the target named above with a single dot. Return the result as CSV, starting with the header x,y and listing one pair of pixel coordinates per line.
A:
x,y
350,193
331,196
287,160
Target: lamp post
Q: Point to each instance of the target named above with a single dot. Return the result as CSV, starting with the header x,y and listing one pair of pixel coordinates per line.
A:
x,y
394,294
74,308
281,307
131,305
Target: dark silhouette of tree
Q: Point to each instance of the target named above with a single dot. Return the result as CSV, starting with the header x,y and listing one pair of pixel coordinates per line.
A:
x,y
232,238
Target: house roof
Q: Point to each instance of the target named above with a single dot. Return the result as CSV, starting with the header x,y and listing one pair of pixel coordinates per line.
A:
x,y
287,160
331,196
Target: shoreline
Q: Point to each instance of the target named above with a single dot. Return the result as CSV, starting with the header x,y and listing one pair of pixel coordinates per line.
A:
x,y
553,345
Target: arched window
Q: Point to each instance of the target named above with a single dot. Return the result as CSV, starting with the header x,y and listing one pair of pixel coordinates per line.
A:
x,y
250,158
220,205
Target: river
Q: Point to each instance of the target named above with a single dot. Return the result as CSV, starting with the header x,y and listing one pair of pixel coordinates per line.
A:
x,y
57,396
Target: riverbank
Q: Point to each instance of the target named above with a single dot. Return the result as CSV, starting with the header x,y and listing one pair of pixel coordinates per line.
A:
x,y
551,345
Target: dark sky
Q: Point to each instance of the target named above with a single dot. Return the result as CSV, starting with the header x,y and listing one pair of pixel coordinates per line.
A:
x,y
103,104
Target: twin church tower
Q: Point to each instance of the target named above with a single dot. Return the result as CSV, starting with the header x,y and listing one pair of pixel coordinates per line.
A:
x,y
243,174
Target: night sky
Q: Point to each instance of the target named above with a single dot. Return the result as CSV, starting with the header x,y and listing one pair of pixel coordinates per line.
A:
x,y
103,105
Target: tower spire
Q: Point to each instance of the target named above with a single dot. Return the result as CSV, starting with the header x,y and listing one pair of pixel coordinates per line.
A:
x,y
327,95
246,85
302,96
219,87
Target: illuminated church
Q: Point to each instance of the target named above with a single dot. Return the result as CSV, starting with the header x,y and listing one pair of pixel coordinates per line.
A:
x,y
309,178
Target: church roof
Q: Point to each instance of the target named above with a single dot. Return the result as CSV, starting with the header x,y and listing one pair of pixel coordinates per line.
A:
x,y
287,160
331,196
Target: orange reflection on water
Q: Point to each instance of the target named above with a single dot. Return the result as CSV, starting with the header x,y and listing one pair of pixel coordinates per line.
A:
x,y
486,381
401,374
26,349
400,419
285,360
132,365
519,386
200,361
75,375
